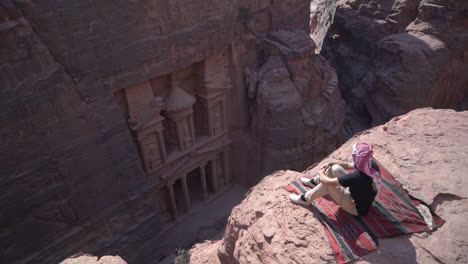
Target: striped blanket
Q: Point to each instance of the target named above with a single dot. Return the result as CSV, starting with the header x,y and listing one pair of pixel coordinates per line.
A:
x,y
393,213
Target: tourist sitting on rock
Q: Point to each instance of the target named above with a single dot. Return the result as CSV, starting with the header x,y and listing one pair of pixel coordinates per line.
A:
x,y
354,192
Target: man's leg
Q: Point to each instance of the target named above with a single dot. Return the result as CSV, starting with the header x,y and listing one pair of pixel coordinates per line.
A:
x,y
340,194
316,192
321,189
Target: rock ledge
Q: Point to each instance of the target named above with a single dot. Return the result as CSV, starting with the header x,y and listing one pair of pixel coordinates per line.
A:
x,y
425,150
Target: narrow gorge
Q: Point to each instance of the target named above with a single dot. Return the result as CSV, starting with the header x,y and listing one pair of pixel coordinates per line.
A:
x,y
133,128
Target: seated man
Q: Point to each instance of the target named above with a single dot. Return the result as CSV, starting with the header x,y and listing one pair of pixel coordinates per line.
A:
x,y
354,192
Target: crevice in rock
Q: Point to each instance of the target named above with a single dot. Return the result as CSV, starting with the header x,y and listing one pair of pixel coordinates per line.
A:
x,y
356,122
444,197
438,260
60,66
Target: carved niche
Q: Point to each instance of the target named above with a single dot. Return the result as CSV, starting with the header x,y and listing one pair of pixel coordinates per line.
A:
x,y
179,113
212,95
147,124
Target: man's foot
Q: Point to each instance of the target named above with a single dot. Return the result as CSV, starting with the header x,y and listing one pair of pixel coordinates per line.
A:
x,y
308,182
297,199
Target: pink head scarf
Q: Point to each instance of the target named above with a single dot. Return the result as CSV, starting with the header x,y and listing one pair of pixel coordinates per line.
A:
x,y
362,156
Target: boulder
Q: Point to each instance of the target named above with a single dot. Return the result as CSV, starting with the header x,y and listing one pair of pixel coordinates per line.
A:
x,y
90,259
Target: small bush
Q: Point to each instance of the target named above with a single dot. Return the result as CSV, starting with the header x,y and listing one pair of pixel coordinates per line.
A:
x,y
183,256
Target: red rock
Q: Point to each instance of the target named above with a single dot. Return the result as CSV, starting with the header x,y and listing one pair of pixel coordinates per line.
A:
x,y
74,175
425,150
89,259
397,56
297,105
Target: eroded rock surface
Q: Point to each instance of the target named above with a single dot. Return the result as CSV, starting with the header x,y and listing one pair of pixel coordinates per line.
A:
x,y
296,104
74,175
395,56
424,150
89,259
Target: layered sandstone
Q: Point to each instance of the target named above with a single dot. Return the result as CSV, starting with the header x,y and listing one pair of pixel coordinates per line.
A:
x,y
86,89
395,56
425,150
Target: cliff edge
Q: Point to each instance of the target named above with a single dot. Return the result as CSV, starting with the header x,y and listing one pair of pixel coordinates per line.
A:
x,y
425,150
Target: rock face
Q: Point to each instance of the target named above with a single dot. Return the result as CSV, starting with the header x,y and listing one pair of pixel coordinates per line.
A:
x,y
397,56
88,259
77,79
424,150
293,110
322,13
295,106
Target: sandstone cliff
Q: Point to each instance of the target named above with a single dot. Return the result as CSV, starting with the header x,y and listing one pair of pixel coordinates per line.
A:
x,y
73,174
395,56
425,150
294,103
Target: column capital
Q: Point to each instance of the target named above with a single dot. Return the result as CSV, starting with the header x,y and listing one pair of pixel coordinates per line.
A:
x,y
171,182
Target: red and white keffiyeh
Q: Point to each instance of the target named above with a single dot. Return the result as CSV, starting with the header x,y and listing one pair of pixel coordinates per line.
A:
x,y
362,156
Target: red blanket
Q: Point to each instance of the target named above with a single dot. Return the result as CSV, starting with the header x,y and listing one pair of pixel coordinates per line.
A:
x,y
393,213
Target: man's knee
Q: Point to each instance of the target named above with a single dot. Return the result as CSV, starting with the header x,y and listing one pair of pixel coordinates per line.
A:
x,y
337,170
336,167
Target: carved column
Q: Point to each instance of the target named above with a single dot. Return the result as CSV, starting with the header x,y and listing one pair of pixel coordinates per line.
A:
x,y
214,175
186,193
192,129
224,114
203,181
172,200
209,123
162,146
226,166
180,136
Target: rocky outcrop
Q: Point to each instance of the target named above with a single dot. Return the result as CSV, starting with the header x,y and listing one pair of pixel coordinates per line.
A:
x,y
295,104
89,259
322,13
293,111
395,56
424,150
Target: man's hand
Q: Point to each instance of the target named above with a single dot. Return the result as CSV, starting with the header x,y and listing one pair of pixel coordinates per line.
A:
x,y
345,165
328,180
328,166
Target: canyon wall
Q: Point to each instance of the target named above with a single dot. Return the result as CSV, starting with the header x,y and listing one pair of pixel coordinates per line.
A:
x,y
295,107
113,110
395,56
424,150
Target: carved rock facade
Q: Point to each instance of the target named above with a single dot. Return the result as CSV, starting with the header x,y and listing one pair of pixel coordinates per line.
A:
x,y
118,117
178,122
